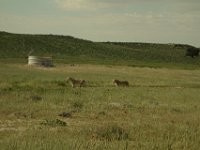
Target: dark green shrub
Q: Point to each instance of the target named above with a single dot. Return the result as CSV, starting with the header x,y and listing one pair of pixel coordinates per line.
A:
x,y
112,132
54,123
77,105
65,114
192,52
36,98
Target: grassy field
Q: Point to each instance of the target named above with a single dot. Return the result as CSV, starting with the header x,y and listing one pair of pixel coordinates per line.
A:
x,y
159,111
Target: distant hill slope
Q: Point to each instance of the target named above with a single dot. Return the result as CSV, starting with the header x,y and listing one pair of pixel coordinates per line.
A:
x,y
69,49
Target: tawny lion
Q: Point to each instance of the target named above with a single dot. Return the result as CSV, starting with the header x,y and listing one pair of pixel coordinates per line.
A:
x,y
76,83
121,83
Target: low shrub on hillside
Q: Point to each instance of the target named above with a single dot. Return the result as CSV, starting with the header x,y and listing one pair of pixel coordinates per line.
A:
x,y
192,52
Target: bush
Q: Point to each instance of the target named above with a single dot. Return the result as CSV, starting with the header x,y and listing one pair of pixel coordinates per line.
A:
x,y
36,98
54,123
77,105
192,52
112,132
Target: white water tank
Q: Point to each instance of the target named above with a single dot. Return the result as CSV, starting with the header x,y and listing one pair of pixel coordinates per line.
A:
x,y
34,60
40,61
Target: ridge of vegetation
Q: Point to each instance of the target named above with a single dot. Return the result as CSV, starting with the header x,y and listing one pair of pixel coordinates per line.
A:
x,y
73,50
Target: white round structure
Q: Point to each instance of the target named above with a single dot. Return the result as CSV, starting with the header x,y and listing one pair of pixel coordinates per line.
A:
x,y
34,60
40,61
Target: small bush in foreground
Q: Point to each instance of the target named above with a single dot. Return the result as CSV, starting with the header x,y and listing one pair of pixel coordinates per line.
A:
x,y
111,132
36,98
54,123
77,105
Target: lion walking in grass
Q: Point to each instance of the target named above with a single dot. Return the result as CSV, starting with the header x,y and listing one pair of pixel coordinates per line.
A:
x,y
121,83
76,83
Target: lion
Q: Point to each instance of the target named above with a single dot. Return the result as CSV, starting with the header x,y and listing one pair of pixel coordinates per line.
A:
x,y
121,83
76,83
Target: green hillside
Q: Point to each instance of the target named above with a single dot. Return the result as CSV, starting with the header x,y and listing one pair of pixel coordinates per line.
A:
x,y
72,50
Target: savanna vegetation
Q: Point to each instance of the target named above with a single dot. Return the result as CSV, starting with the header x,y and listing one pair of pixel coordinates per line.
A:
x,y
39,109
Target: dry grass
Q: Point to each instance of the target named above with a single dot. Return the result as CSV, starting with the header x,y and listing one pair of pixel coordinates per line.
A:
x,y
160,110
